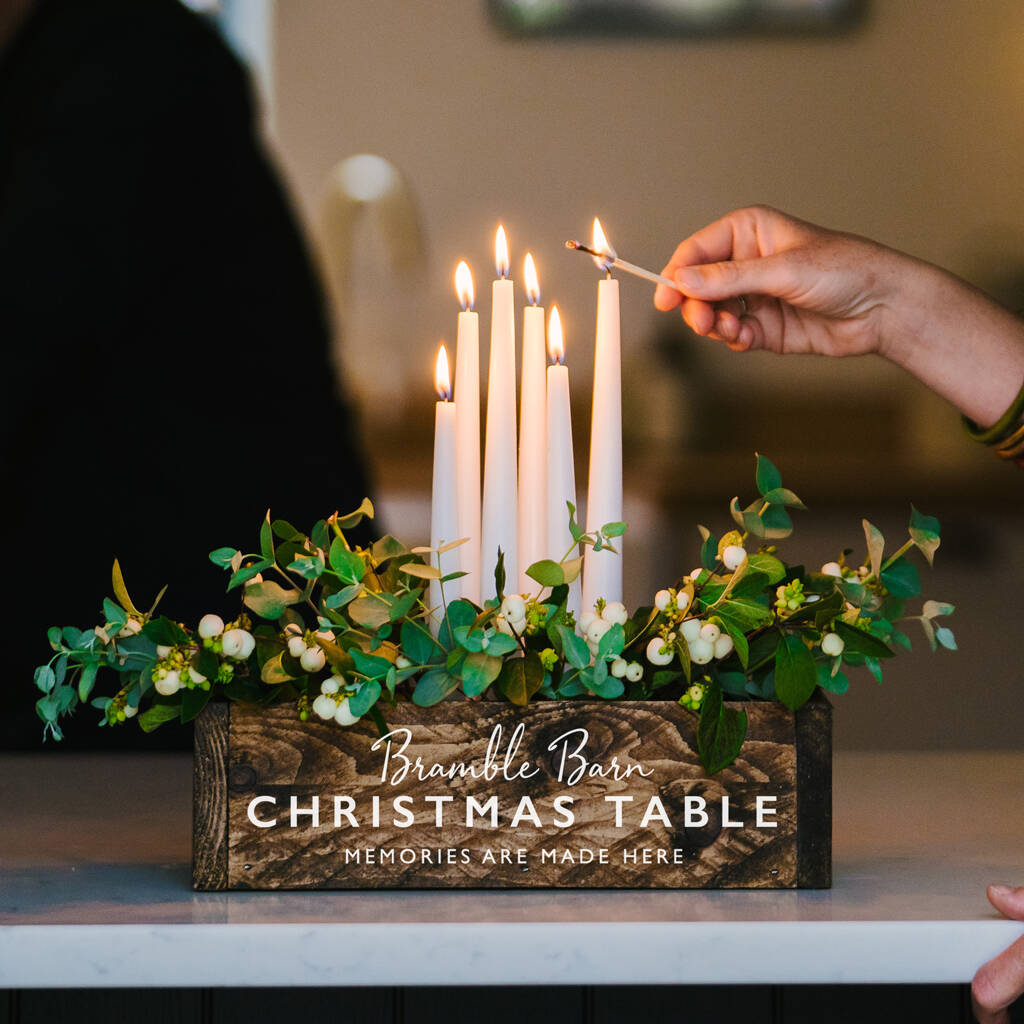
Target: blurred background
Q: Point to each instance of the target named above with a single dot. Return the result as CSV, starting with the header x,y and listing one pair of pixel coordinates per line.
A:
x,y
902,124
405,132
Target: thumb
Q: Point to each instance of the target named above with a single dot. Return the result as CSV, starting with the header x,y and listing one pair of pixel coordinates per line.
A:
x,y
771,275
1008,900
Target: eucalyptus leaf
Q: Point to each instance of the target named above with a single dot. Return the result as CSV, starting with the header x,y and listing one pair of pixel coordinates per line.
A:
x,y
479,670
547,573
902,579
368,695
269,599
767,477
433,687
349,566
574,648
353,519
795,672
418,644
720,731
521,678
876,547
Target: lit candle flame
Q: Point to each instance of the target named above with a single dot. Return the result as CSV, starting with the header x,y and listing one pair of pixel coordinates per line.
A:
x,y
601,245
556,343
501,260
530,277
442,377
464,285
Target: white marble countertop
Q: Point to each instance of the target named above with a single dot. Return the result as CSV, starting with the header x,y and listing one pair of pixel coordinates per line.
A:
x,y
94,891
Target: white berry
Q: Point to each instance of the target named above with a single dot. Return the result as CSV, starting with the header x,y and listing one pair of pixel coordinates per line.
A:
x,y
695,575
690,630
832,569
402,662
586,618
248,643
514,608
710,632
832,644
313,659
293,629
615,613
343,716
504,625
162,650
660,652
332,685
733,556
210,626
596,630
296,646
701,651
195,675
169,685
130,628
662,599
233,643
634,672
619,668
324,707
129,711
682,601
723,646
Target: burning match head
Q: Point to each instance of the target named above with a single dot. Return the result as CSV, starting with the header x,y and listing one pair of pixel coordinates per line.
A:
x,y
571,244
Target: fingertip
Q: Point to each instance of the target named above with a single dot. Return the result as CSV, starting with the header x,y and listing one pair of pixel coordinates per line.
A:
x,y
666,298
727,326
699,315
1007,899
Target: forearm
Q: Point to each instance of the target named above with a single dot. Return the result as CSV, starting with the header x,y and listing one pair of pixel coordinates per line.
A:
x,y
956,340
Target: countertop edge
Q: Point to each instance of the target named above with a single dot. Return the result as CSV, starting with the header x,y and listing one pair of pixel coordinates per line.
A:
x,y
498,953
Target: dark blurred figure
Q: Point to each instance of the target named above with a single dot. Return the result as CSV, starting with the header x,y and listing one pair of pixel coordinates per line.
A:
x,y
165,347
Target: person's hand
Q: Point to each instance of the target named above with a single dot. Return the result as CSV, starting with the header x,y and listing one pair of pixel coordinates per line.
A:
x,y
804,288
1001,981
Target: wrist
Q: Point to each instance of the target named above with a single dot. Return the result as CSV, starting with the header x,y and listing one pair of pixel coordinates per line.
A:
x,y
915,290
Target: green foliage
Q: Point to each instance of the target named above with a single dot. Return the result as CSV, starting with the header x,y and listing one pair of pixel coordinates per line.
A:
x,y
720,731
365,610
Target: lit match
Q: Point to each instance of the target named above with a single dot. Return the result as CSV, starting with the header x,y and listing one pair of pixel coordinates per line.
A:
x,y
606,258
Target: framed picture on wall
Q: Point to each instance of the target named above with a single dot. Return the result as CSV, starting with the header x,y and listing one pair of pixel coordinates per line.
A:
x,y
674,17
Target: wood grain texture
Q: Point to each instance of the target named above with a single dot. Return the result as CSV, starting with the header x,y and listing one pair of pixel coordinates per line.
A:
x,y
272,754
814,794
209,799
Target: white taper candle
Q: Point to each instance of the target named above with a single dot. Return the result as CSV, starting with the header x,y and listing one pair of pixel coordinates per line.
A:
x,y
561,467
532,434
602,570
443,506
498,527
467,436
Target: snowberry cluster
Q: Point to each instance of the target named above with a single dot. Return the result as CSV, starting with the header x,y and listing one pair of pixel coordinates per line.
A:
x,y
175,670
333,702
303,646
594,624
704,641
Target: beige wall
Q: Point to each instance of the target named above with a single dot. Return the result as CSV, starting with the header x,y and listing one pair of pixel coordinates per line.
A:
x,y
910,129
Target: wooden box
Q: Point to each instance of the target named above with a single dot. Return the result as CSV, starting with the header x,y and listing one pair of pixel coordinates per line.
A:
x,y
574,794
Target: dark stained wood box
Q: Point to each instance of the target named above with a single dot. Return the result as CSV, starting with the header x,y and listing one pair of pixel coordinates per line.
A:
x,y
533,824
